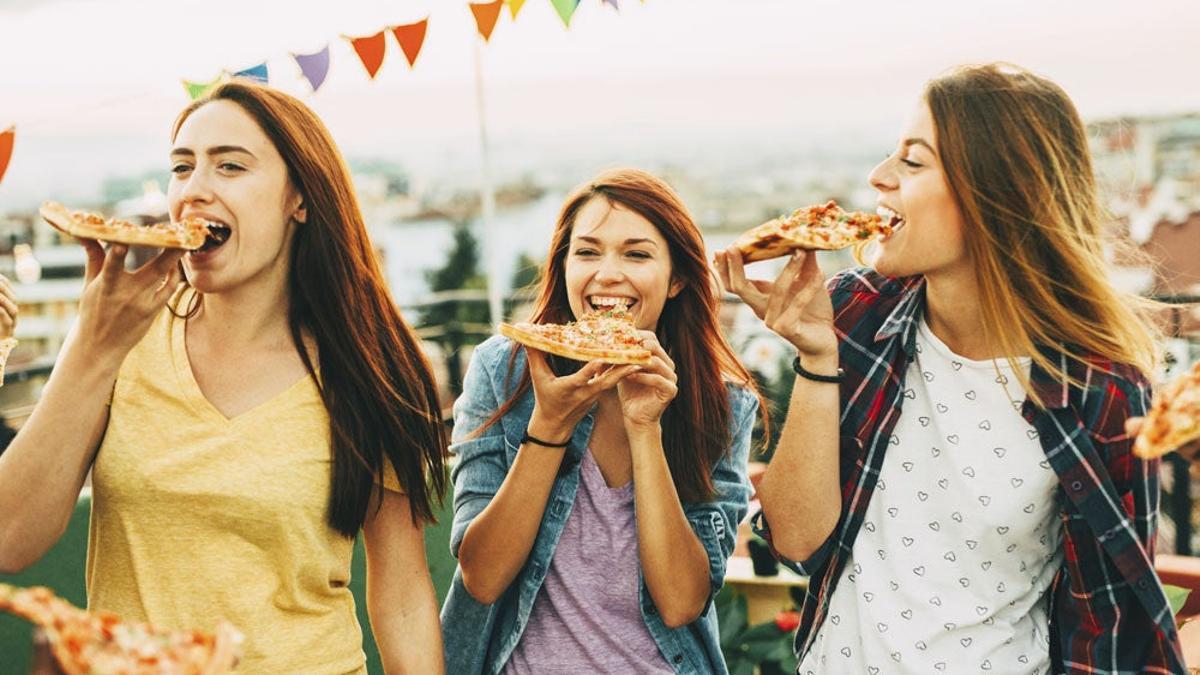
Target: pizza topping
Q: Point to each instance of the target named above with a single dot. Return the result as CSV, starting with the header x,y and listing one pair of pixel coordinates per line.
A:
x,y
894,220
100,642
1174,416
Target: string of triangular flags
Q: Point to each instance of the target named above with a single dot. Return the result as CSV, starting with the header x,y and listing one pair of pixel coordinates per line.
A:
x,y
371,49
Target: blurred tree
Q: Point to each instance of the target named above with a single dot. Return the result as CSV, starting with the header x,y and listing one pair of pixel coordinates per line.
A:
x,y
454,317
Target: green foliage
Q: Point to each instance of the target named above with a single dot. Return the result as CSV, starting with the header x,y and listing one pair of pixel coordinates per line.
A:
x,y
1176,596
745,647
527,273
460,271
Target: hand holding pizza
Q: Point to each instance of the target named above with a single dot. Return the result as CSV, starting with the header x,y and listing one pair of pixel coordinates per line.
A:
x,y
646,393
560,402
795,306
118,306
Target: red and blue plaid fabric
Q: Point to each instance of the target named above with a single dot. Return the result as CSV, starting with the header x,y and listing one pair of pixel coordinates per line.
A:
x,y
1108,613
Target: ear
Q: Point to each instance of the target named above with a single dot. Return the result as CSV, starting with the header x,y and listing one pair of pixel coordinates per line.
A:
x,y
676,286
301,214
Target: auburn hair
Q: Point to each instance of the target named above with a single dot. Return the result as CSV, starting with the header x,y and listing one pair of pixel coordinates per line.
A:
x,y
375,382
696,424
1015,154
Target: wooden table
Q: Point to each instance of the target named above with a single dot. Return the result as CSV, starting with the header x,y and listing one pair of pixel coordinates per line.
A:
x,y
765,596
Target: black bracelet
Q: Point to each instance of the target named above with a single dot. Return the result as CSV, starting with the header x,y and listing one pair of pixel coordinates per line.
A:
x,y
809,375
546,444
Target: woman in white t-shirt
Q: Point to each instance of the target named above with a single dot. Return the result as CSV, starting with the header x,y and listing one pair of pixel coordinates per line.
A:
x,y
954,472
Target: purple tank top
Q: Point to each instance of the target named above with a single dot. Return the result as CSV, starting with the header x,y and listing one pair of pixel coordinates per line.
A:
x,y
587,616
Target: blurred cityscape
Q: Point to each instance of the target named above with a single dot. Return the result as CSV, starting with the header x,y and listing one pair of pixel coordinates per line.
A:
x,y
440,257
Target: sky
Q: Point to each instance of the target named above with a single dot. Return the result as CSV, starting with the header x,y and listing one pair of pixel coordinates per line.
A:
x,y
93,85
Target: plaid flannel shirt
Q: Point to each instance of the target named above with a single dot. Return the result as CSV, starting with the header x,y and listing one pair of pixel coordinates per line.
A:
x,y
1108,611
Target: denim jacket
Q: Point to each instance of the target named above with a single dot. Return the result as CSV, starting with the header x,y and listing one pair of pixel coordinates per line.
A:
x,y
480,638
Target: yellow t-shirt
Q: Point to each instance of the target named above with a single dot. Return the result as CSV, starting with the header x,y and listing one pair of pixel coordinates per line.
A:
x,y
196,517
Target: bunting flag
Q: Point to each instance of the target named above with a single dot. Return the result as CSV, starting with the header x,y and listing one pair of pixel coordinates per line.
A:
x,y
614,4
411,36
314,67
565,9
197,89
6,148
370,51
514,6
257,73
486,14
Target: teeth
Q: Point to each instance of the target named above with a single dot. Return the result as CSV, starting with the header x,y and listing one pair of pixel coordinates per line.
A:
x,y
609,301
886,213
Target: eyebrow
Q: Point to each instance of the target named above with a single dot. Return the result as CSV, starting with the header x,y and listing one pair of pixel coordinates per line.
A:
x,y
628,242
919,141
213,151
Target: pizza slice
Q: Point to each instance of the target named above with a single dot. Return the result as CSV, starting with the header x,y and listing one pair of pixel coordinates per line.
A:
x,y
85,643
824,226
190,233
609,336
1174,417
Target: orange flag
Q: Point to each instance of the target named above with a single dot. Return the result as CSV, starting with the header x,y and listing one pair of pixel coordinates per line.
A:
x,y
6,148
411,36
370,51
486,14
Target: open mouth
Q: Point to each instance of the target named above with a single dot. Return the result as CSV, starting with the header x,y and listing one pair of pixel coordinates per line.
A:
x,y
603,303
218,234
894,220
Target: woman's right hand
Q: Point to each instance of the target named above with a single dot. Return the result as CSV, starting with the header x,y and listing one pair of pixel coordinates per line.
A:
x,y
118,307
795,306
562,401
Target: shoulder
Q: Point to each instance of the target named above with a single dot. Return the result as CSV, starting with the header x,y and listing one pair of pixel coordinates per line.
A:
x,y
743,402
1116,386
866,281
863,299
494,353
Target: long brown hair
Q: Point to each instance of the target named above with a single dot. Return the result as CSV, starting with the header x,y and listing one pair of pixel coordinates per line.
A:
x,y
1016,157
375,381
696,424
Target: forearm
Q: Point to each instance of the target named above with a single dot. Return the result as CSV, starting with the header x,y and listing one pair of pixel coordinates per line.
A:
x,y
674,562
44,467
498,541
406,628
801,490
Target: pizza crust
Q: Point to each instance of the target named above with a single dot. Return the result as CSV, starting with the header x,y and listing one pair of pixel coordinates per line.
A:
x,y
1174,417
188,234
821,227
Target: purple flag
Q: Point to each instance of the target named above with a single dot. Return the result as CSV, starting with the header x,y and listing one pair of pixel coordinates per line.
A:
x,y
314,66
613,3
258,72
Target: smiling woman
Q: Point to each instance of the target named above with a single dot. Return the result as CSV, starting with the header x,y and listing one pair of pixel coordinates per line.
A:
x,y
606,499
244,426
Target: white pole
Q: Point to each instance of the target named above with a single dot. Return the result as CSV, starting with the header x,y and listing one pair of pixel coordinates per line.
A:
x,y
487,196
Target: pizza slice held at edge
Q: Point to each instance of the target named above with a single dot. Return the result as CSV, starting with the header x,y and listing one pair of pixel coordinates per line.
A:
x,y
608,336
188,234
820,227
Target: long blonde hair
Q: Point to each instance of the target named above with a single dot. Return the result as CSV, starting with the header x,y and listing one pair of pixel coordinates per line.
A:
x,y
1015,154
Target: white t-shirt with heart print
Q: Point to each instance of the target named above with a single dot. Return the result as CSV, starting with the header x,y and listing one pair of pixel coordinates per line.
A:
x,y
961,540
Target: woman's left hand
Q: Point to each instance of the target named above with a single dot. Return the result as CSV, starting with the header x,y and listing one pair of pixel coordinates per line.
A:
x,y
646,393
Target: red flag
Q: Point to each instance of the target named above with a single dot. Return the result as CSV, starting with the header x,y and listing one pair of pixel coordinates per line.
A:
x,y
411,36
6,148
486,14
370,51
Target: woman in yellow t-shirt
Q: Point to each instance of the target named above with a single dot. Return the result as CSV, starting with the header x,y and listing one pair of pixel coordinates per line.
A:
x,y
244,421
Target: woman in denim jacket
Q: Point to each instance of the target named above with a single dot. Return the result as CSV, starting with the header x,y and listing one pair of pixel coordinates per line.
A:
x,y
595,506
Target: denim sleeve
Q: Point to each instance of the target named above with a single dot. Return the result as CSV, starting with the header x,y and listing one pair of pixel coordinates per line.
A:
x,y
481,459
716,522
